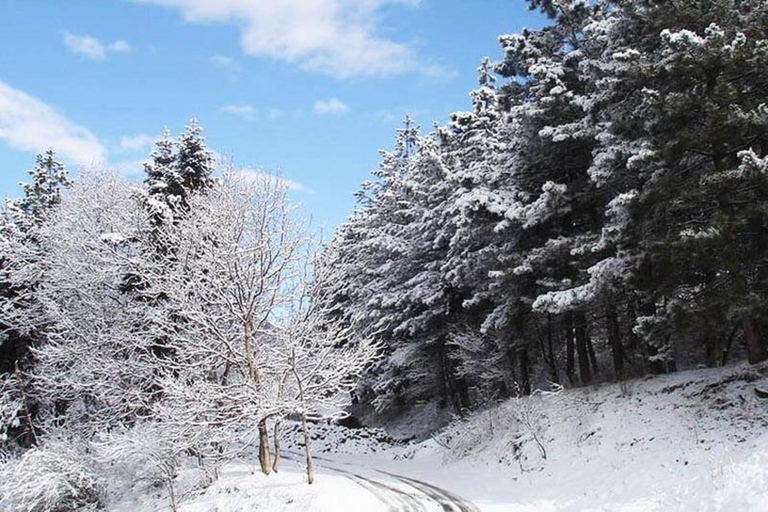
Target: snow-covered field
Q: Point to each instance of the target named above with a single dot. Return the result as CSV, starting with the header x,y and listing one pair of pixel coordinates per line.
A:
x,y
692,441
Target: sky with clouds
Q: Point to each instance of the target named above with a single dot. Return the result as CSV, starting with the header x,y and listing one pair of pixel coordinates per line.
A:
x,y
308,89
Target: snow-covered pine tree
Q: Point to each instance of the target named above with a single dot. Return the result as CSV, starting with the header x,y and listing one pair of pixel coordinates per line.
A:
x,y
21,219
479,194
603,203
49,177
194,160
391,251
176,169
673,107
537,196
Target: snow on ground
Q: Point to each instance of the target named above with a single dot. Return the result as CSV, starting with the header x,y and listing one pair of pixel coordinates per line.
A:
x,y
692,441
241,490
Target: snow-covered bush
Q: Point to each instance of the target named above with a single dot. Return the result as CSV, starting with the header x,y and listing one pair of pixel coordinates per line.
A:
x,y
148,453
55,477
474,433
512,430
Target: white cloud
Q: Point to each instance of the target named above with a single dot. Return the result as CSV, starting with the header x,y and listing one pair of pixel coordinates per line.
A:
x,y
120,46
92,47
244,111
275,114
85,45
28,124
335,37
330,107
141,142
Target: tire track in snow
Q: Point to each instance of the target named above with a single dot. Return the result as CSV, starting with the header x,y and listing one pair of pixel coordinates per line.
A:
x,y
396,499
417,496
449,501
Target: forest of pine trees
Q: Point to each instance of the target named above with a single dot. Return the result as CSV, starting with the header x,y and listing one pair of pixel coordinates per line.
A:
x,y
600,213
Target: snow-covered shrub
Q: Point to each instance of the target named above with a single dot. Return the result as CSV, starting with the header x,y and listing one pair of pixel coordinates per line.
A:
x,y
148,453
52,478
512,430
475,433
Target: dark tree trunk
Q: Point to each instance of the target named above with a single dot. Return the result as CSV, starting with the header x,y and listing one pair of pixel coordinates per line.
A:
x,y
548,351
582,346
592,356
636,364
523,363
614,339
525,371
755,349
454,390
570,358
728,344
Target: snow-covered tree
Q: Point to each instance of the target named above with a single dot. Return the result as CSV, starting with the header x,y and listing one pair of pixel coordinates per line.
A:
x,y
595,214
176,169
21,220
390,255
49,177
92,367
320,359
240,359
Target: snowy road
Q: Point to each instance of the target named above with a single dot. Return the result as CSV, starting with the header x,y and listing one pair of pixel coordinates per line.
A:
x,y
400,493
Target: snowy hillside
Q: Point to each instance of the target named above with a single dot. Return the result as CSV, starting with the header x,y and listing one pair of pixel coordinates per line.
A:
x,y
692,441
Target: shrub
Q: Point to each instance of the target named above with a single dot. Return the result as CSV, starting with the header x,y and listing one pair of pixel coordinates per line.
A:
x,y
51,478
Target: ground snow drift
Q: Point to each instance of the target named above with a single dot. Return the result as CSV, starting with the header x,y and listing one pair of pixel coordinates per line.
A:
x,y
692,441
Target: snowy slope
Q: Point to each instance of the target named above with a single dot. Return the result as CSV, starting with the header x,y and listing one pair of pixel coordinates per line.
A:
x,y
691,441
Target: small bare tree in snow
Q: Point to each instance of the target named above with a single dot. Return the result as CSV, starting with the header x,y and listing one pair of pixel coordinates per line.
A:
x,y
318,359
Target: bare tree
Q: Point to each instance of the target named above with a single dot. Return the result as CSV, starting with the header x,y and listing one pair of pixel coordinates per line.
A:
x,y
319,358
220,294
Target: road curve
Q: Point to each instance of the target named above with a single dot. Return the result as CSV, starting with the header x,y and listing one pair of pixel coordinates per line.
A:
x,y
400,493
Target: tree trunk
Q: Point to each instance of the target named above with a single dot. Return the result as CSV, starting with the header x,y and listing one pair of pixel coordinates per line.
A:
x,y
614,338
592,357
755,348
264,447
276,441
450,388
570,363
25,403
525,371
172,494
632,356
548,351
523,363
308,450
582,346
728,344
712,346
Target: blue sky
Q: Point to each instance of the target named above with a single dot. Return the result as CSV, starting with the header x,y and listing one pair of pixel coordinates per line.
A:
x,y
309,89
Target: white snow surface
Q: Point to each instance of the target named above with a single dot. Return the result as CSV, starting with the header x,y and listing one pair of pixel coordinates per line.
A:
x,y
691,441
